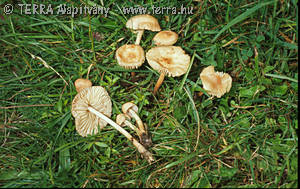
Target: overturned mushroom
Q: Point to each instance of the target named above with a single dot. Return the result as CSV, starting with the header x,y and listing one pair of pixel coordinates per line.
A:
x,y
92,107
139,23
168,60
215,83
165,38
86,122
131,110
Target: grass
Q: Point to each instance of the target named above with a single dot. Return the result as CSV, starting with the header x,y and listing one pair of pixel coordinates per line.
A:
x,y
246,138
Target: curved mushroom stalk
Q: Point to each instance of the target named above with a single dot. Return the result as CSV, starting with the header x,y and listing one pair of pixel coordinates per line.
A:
x,y
131,110
145,153
122,121
144,137
159,82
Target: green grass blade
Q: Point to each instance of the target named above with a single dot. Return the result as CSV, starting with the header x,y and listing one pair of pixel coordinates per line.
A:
x,y
241,18
281,77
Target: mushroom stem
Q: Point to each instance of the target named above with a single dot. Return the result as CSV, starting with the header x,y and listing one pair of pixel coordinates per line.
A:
x,y
139,36
159,82
142,133
138,121
139,146
131,126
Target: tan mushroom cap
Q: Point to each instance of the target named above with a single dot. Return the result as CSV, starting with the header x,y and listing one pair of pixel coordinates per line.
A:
x,y
165,38
86,122
143,22
82,84
170,60
215,83
130,56
127,106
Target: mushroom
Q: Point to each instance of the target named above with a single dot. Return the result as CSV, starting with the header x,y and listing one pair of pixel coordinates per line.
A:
x,y
142,22
81,84
168,60
131,110
215,83
122,121
130,56
92,107
165,38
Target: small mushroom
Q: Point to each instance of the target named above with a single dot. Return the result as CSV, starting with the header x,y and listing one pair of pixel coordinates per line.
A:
x,y
215,83
165,38
130,56
142,22
92,107
122,121
131,110
168,60
82,84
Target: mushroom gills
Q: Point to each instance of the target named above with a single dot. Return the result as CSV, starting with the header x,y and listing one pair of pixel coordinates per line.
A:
x,y
91,108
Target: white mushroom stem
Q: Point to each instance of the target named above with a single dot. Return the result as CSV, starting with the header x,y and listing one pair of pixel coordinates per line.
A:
x,y
122,121
138,121
159,82
139,36
139,146
131,126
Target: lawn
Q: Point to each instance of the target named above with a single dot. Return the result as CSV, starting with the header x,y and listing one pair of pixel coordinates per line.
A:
x,y
246,138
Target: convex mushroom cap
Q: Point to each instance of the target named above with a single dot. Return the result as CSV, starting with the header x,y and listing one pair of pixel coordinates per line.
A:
x,y
86,122
143,22
130,56
139,23
129,106
82,84
170,60
165,38
215,83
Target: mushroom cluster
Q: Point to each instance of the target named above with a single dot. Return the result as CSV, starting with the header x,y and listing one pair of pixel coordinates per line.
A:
x,y
165,58
132,56
92,108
